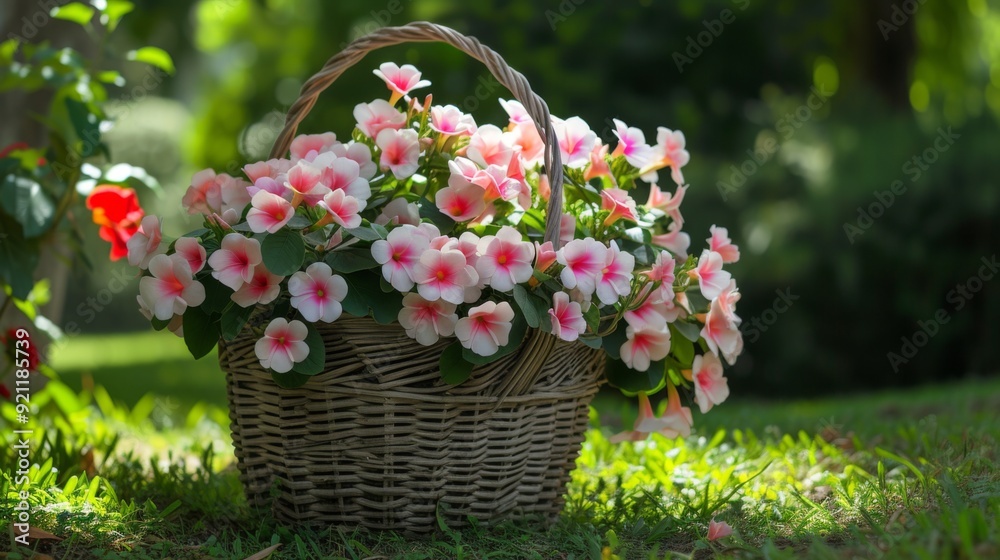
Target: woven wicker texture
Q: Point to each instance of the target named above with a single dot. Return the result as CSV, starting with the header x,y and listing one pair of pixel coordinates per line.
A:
x,y
378,440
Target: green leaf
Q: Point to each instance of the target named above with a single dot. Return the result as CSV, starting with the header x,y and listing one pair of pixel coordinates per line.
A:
x,y
154,56
523,299
315,362
380,230
290,380
200,333
364,297
364,233
518,329
629,380
593,318
430,211
681,348
24,200
75,12
690,331
234,318
352,259
454,368
613,342
86,125
217,294
697,300
18,258
114,11
283,252
159,325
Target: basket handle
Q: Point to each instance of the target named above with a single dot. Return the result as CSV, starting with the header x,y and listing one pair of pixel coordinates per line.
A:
x,y
422,31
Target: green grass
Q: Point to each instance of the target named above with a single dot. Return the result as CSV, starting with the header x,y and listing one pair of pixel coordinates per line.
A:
x,y
893,475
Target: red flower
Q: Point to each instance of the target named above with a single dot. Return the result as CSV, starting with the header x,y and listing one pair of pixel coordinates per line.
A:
x,y
117,211
9,342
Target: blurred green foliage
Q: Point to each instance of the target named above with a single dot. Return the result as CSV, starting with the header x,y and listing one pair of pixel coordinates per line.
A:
x,y
737,76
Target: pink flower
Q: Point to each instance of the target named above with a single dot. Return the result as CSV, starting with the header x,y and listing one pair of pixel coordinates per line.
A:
x,y
171,288
505,260
399,211
317,293
443,275
342,173
583,260
271,168
663,269
400,151
631,144
675,241
718,530
269,212
398,254
306,145
449,120
496,183
567,317
615,278
377,116
359,154
721,244
545,256
234,262
598,164
204,195
676,420
567,229
727,302
645,414
669,205
576,141
652,312
262,288
191,250
427,321
710,386
234,194
489,146
487,327
305,180
644,346
145,242
463,170
400,80
620,204
343,208
461,203
711,278
721,333
270,185
517,113
176,324
525,136
282,345
669,151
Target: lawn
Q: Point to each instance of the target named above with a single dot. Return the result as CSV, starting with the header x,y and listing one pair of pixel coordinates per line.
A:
x,y
895,475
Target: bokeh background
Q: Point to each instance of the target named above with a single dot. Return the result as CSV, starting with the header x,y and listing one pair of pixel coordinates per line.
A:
x,y
802,118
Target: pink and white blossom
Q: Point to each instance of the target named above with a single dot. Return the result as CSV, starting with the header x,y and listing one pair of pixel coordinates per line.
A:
x,y
567,317
631,144
400,80
176,324
711,278
676,420
399,211
652,312
667,203
171,287
317,293
204,196
461,203
427,321
505,260
496,183
710,385
487,327
262,288
360,154
576,141
190,249
489,146
567,228
306,182
525,137
545,256
668,152
614,279
400,151
582,260
718,530
341,173
722,333
398,254
272,186
598,163
517,113
307,146
721,244
449,120
443,275
145,242
619,204
283,345
377,116
343,209
675,240
233,194
268,212
233,263
645,345
663,269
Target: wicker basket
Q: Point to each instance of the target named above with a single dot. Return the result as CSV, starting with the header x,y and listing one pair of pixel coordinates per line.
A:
x,y
378,440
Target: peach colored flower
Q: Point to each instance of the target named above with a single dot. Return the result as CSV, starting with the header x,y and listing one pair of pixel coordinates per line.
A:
x,y
718,530
487,327
204,196
171,287
191,250
449,120
721,244
145,242
489,146
668,151
675,241
710,386
461,203
620,204
667,203
305,146
343,208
